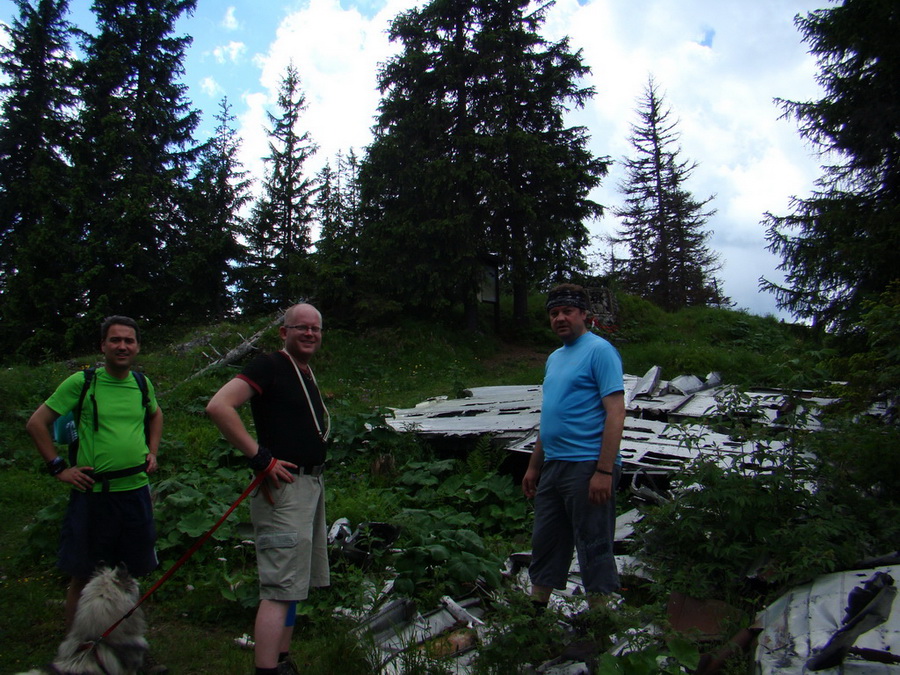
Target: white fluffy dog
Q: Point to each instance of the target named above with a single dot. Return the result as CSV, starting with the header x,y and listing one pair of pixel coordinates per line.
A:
x,y
106,598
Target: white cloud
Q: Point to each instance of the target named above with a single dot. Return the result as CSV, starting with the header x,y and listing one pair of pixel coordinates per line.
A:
x,y
229,21
754,262
336,52
252,128
230,53
721,92
210,87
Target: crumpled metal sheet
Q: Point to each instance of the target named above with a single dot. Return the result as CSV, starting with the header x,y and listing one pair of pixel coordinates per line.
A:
x,y
800,624
512,414
398,627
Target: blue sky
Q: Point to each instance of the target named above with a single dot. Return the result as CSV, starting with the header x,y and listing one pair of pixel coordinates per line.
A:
x,y
719,64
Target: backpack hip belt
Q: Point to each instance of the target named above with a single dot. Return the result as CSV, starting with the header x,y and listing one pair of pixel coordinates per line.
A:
x,y
104,477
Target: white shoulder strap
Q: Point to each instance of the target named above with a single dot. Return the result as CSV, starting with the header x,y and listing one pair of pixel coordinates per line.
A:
x,y
312,410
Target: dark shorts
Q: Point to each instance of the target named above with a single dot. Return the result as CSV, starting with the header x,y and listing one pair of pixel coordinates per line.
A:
x,y
564,519
111,528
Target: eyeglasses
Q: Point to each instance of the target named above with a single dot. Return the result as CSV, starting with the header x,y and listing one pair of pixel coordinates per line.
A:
x,y
303,328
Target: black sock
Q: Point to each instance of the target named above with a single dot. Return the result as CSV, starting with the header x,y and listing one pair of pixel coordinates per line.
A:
x,y
266,671
539,607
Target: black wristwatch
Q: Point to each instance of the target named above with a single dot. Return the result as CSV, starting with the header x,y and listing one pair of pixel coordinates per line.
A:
x,y
56,466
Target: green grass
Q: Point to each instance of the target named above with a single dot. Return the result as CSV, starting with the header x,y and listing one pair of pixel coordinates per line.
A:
x,y
746,350
360,369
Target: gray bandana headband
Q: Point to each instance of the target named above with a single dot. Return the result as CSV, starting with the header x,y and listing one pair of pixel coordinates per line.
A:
x,y
566,298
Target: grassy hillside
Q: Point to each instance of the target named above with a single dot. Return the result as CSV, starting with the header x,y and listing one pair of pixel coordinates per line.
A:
x,y
195,617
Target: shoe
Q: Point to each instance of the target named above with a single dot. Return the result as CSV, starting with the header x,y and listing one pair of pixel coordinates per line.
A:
x,y
288,667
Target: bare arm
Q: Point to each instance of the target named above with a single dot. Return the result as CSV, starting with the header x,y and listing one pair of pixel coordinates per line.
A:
x,y
601,486
38,427
223,411
533,472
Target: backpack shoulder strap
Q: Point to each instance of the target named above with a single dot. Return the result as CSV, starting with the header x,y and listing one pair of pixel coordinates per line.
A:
x,y
76,413
141,380
88,378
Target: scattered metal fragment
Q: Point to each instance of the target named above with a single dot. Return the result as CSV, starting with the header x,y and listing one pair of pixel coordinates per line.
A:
x,y
460,612
663,429
360,545
398,627
684,384
820,624
646,385
868,606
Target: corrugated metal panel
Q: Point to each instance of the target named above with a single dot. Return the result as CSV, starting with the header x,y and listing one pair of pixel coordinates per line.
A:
x,y
801,623
512,413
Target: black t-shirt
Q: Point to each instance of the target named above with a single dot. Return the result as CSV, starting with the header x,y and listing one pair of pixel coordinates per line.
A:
x,y
281,412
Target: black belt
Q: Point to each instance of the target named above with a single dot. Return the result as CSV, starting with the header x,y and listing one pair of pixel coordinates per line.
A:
x,y
308,470
104,477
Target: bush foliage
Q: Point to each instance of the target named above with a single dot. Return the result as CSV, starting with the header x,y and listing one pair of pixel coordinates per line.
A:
x,y
827,498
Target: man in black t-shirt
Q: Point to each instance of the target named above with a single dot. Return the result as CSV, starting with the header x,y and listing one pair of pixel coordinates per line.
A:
x,y
288,512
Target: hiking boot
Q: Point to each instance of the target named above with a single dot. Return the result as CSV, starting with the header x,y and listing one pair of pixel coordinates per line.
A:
x,y
288,667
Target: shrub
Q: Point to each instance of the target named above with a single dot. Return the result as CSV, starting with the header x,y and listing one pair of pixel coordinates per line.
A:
x,y
778,515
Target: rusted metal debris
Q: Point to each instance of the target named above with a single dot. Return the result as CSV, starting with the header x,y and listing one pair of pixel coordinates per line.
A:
x,y
506,410
661,433
664,432
845,622
456,628
452,630
704,619
842,623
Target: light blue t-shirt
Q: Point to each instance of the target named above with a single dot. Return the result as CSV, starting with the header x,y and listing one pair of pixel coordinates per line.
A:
x,y
576,378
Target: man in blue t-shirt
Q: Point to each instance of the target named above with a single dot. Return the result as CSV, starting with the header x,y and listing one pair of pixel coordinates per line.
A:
x,y
575,465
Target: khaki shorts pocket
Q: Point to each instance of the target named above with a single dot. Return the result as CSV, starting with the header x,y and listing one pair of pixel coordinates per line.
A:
x,y
276,554
277,540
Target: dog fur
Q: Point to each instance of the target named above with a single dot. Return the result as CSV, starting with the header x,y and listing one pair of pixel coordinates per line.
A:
x,y
107,597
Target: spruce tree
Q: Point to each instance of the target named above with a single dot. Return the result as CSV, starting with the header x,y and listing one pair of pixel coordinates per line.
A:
x,y
539,172
209,250
838,246
279,268
421,235
38,280
662,223
472,157
337,249
133,159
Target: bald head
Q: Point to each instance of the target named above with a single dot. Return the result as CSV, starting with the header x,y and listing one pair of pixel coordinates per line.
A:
x,y
302,331
301,308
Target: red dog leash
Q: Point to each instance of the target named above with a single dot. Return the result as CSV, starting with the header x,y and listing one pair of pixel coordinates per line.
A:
x,y
193,549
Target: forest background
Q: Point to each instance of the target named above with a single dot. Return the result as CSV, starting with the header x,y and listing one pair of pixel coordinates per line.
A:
x,y
58,75
750,158
108,205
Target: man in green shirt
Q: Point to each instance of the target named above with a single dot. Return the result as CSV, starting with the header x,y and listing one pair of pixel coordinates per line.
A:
x,y
109,516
